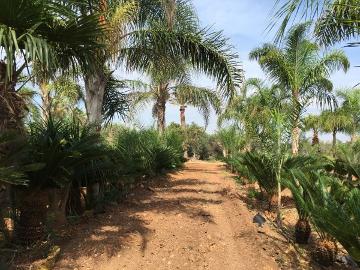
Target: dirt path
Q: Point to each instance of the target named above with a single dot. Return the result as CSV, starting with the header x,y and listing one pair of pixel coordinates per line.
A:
x,y
191,220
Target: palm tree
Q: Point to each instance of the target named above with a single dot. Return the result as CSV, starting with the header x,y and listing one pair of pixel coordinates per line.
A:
x,y
149,34
333,122
351,107
230,139
267,166
298,68
252,113
181,93
199,97
313,122
117,17
36,34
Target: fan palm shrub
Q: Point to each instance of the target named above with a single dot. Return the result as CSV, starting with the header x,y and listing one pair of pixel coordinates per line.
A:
x,y
261,167
70,154
295,168
238,166
144,152
347,164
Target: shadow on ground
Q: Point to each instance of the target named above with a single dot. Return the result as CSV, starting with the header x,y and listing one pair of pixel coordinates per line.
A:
x,y
108,233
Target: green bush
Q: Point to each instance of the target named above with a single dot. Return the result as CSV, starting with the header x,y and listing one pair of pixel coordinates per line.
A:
x,y
145,152
333,208
69,151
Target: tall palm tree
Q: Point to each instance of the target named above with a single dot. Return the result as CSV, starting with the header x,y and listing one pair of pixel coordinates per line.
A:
x,y
146,34
182,93
199,97
334,122
313,122
118,17
30,31
351,107
301,70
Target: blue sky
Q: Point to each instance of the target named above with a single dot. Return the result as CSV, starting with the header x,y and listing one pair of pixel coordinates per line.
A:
x,y
244,22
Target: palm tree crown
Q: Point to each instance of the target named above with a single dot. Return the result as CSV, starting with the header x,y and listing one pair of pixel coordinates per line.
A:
x,y
299,67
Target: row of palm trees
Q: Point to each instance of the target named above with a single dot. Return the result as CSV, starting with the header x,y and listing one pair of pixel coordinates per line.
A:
x,y
265,124
345,118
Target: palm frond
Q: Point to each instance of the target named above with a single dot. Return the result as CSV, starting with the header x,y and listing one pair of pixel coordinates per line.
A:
x,y
207,52
338,23
116,100
31,29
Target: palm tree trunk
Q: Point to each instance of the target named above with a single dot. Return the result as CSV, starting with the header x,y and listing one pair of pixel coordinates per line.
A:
x,y
353,138
95,87
33,212
279,216
295,140
58,202
225,153
45,98
12,108
315,139
295,134
182,116
95,84
160,111
334,133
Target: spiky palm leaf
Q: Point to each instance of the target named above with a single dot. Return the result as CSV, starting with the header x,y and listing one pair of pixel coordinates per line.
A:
x,y
331,208
347,164
66,148
116,100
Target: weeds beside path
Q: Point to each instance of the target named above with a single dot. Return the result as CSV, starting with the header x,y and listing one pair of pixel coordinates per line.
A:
x,y
193,219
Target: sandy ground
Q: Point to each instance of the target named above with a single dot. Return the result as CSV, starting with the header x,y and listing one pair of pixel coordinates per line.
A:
x,y
192,219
